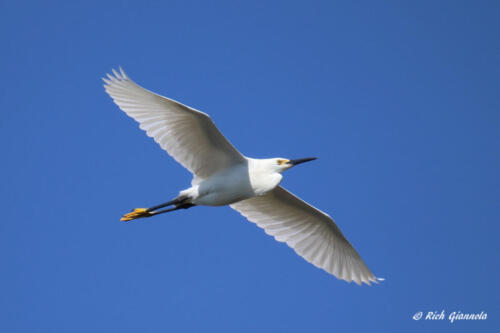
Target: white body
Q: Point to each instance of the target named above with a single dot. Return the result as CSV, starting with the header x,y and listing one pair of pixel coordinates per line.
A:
x,y
223,176
239,182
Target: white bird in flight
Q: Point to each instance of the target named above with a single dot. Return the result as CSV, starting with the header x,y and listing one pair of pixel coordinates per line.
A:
x,y
223,176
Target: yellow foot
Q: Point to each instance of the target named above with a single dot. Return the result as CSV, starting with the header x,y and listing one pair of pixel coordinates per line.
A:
x,y
136,214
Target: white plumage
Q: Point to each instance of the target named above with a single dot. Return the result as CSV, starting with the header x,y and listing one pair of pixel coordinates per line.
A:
x,y
223,176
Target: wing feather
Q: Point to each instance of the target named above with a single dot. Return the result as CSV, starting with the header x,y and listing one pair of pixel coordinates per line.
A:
x,y
310,232
188,135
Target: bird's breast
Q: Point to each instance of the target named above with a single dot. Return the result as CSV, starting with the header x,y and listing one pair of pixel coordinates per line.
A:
x,y
263,182
233,185
225,188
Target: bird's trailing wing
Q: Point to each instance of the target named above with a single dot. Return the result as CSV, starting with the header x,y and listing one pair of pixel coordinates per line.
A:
x,y
188,135
310,232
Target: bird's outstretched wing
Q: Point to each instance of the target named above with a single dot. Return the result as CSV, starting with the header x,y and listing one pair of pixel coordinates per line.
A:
x,y
188,135
310,232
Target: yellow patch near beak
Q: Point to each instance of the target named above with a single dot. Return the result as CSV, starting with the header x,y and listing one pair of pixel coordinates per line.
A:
x,y
281,162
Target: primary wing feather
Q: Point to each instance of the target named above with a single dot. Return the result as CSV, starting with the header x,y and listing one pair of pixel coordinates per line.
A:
x,y
188,135
310,232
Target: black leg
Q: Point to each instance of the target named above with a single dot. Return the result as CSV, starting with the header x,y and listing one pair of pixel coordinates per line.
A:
x,y
176,201
180,206
148,212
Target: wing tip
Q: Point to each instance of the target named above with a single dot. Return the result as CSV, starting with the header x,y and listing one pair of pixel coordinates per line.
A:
x,y
372,279
116,76
359,280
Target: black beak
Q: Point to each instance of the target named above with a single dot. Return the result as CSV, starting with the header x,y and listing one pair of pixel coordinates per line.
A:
x,y
301,160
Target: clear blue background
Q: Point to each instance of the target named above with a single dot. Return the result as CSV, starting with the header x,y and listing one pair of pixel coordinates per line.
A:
x,y
399,100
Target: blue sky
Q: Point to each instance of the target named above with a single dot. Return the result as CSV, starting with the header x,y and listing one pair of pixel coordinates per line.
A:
x,y
399,100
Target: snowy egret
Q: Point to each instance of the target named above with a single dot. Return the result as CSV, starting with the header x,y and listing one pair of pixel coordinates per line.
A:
x,y
223,176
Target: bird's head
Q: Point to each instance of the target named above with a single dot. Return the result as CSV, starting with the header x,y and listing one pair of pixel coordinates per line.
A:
x,y
282,164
